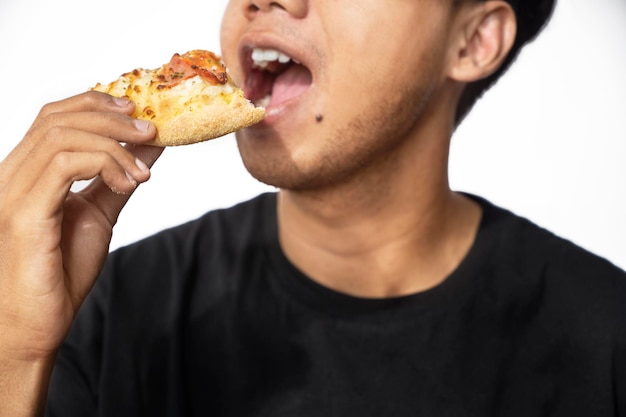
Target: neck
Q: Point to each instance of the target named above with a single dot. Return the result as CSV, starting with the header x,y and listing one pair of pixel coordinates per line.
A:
x,y
398,230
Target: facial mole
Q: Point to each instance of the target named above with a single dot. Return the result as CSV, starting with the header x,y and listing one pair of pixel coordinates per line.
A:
x,y
319,118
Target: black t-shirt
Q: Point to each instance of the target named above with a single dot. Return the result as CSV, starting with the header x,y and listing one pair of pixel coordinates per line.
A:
x,y
211,319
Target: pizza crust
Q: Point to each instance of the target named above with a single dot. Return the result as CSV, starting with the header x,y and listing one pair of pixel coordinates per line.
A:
x,y
208,121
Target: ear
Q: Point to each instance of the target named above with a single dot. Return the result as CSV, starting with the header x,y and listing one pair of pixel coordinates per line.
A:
x,y
487,33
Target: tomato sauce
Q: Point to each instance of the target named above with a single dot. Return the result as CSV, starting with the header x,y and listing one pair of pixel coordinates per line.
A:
x,y
197,62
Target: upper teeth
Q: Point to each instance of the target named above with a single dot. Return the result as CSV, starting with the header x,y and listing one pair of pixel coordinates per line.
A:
x,y
262,57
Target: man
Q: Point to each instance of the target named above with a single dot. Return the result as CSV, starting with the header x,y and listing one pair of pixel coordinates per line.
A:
x,y
364,287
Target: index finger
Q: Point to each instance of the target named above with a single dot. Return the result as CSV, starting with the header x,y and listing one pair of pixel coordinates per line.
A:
x,y
91,101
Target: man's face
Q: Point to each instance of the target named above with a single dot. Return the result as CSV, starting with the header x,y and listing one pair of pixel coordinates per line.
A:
x,y
357,78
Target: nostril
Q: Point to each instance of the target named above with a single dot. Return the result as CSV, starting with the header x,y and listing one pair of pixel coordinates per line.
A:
x,y
278,5
264,5
296,8
251,10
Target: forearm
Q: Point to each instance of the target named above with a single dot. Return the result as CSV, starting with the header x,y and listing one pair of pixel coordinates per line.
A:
x,y
53,242
23,386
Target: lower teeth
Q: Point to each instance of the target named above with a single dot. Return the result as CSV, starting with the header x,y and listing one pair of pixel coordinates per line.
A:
x,y
263,102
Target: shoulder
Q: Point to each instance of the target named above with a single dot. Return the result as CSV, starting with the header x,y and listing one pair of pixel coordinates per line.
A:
x,y
523,242
529,260
558,303
223,229
173,259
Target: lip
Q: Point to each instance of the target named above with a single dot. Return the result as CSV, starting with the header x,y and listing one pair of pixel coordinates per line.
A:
x,y
267,40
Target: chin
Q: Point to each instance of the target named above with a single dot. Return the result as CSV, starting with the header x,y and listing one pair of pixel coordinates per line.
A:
x,y
269,160
283,174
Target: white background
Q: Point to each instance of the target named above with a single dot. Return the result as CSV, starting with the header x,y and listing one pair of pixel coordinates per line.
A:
x,y
549,142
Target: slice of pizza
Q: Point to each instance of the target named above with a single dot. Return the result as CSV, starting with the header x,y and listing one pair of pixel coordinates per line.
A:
x,y
190,99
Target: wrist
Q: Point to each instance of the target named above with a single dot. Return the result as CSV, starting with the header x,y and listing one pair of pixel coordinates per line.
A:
x,y
23,384
21,342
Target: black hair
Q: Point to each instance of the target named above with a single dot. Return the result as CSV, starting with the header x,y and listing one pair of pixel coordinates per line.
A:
x,y
532,17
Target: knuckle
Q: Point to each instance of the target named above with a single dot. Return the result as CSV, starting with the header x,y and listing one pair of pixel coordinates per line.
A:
x,y
103,160
60,161
99,101
47,109
45,119
54,133
113,147
108,160
47,122
14,219
94,98
52,118
97,96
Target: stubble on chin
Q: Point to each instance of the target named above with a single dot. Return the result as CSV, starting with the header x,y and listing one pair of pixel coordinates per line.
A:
x,y
357,151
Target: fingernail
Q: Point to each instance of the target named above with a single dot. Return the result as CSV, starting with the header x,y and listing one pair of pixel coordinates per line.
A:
x,y
131,180
121,101
141,165
141,125
118,192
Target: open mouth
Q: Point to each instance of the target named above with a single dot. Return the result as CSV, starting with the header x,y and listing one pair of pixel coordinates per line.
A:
x,y
274,77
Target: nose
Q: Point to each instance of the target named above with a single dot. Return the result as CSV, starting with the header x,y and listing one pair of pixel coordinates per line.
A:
x,y
295,8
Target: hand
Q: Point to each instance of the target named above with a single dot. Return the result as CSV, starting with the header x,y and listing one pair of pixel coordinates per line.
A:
x,y
53,242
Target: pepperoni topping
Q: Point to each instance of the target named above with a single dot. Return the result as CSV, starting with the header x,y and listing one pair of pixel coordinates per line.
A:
x,y
197,62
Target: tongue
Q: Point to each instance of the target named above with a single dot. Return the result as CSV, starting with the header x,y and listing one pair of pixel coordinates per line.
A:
x,y
291,83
